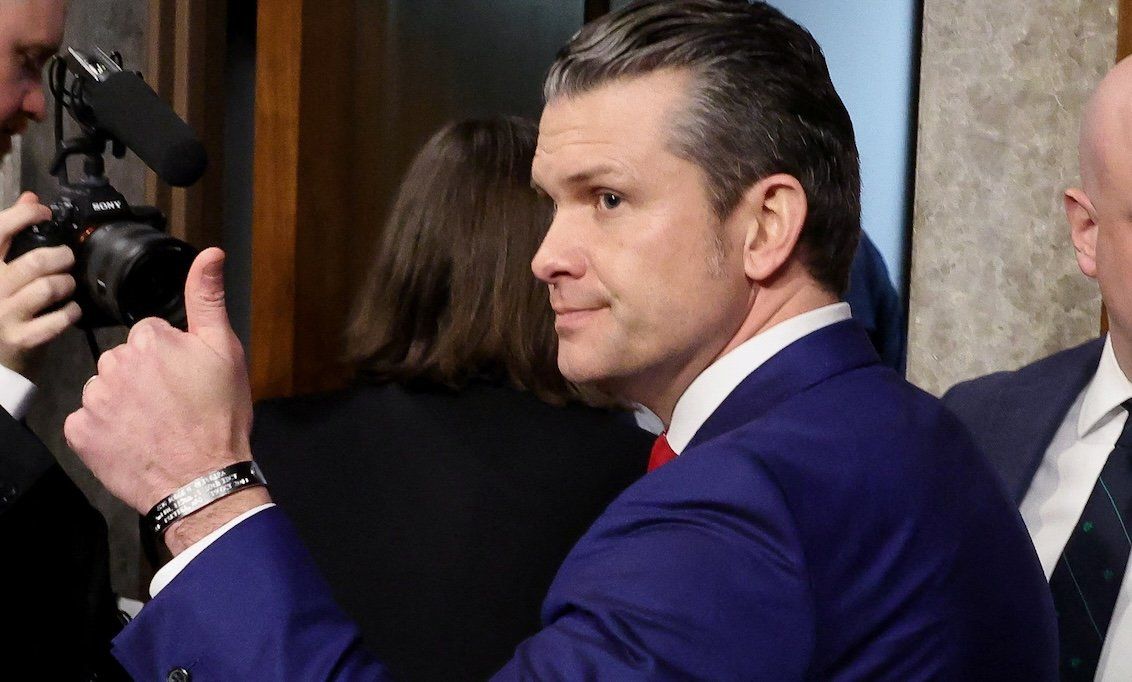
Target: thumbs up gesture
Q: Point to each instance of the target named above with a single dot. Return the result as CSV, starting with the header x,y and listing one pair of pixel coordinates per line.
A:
x,y
168,406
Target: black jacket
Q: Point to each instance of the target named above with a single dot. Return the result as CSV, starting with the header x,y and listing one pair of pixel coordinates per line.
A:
x,y
440,517
54,570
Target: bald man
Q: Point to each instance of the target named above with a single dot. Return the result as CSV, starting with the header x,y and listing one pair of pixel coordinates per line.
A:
x,y
1056,429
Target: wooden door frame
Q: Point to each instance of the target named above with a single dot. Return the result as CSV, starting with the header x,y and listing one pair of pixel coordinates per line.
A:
x,y
186,50
301,217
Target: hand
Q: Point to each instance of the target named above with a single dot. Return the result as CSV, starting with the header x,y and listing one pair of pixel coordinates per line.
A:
x,y
169,406
30,284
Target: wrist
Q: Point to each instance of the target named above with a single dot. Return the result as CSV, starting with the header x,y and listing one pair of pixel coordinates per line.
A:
x,y
186,531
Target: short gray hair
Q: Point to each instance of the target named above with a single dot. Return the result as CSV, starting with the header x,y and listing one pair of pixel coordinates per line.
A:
x,y
762,102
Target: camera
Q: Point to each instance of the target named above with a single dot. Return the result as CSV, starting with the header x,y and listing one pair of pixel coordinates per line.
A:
x,y
126,265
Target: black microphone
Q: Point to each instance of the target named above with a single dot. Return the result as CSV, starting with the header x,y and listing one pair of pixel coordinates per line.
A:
x,y
122,104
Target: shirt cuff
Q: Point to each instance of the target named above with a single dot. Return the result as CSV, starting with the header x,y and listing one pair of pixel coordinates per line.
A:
x,y
15,392
171,570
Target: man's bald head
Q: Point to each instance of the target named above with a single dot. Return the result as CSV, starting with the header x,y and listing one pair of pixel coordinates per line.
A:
x,y
1100,211
1106,129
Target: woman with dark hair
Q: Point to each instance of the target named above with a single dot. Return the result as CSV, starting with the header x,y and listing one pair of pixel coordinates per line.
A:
x,y
441,492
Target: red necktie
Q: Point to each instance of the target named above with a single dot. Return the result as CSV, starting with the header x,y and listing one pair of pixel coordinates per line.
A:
x,y
662,453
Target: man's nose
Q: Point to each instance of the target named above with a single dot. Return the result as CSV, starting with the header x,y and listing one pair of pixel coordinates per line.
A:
x,y
35,103
561,253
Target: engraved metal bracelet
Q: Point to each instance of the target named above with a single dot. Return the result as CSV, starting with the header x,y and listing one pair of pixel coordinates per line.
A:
x,y
201,492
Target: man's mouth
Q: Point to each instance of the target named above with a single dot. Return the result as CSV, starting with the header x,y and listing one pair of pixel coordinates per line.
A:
x,y
567,317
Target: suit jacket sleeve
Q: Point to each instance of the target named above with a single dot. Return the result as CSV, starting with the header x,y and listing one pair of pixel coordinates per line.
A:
x,y
251,606
658,589
23,461
683,578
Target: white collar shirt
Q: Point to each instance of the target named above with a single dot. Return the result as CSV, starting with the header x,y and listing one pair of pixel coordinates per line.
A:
x,y
15,392
1063,483
708,390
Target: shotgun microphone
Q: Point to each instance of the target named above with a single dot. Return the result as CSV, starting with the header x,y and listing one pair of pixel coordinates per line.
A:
x,y
121,104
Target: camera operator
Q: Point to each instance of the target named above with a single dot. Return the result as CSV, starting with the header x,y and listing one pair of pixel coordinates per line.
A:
x,y
54,577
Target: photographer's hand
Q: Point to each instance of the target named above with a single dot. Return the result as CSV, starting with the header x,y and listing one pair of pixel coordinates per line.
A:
x,y
29,285
169,406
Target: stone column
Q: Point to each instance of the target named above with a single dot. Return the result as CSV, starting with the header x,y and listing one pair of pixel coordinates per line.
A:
x,y
994,283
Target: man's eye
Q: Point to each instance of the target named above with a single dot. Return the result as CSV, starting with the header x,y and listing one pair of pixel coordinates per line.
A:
x,y
609,200
31,65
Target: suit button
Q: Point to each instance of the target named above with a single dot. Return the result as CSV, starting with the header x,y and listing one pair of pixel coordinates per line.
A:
x,y
7,493
178,675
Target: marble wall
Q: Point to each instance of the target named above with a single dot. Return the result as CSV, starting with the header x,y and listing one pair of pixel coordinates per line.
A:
x,y
994,283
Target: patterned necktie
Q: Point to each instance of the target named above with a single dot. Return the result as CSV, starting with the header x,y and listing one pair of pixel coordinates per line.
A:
x,y
1089,573
662,453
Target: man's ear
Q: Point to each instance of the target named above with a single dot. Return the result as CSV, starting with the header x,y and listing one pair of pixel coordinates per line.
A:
x,y
774,212
1083,229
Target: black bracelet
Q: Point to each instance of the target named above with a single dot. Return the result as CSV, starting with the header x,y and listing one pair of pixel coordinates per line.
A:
x,y
201,492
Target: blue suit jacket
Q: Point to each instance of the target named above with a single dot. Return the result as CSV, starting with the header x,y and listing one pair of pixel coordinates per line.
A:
x,y
876,305
1013,416
828,521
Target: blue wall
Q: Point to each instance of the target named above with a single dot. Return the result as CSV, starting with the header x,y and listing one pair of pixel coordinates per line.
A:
x,y
870,45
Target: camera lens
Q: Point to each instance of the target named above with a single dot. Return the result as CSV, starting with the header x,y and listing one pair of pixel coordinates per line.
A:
x,y
133,271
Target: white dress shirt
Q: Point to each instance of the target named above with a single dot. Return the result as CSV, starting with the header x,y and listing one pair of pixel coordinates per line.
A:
x,y
170,570
715,383
15,392
1063,483
694,407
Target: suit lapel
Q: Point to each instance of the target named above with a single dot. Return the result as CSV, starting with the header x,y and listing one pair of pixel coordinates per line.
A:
x,y
808,361
1032,409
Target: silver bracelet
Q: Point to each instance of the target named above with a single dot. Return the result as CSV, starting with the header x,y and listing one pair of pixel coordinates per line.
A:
x,y
201,492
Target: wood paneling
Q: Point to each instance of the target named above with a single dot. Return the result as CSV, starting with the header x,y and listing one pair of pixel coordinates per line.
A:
x,y
159,75
1124,29
301,214
279,41
186,67
328,241
199,48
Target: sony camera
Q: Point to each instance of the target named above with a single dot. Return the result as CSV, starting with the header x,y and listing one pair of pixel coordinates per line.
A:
x,y
126,266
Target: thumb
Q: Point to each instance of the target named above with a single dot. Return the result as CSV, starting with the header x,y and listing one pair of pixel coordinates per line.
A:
x,y
204,300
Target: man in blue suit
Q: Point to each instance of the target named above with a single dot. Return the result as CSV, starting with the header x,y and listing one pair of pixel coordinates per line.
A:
x,y
822,520
1057,430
